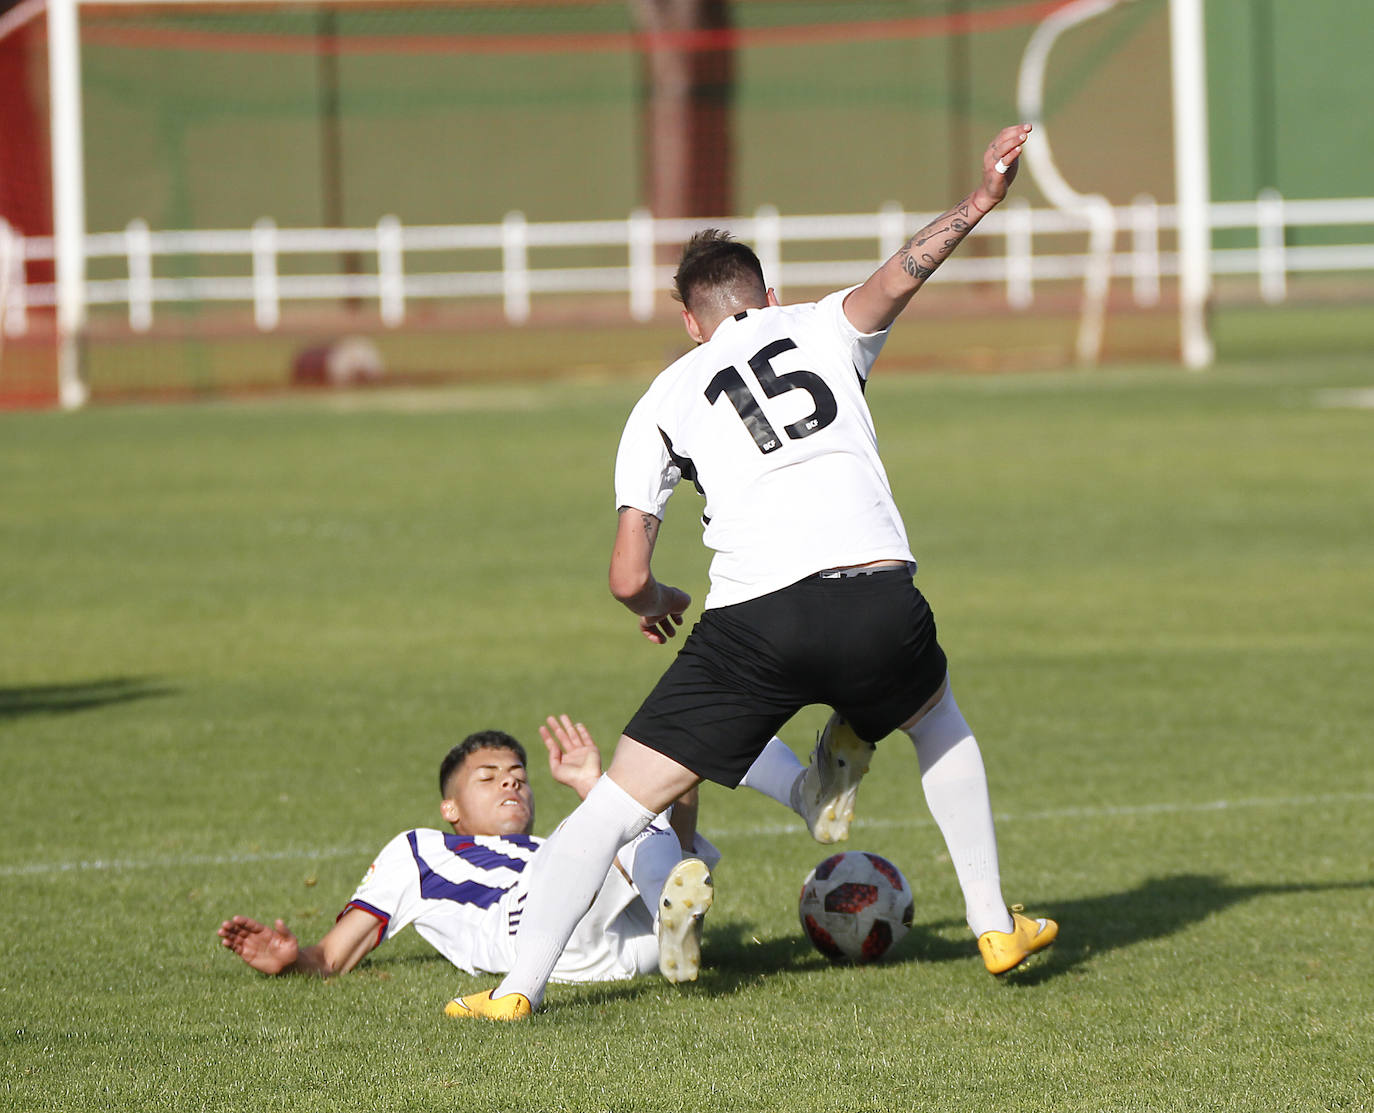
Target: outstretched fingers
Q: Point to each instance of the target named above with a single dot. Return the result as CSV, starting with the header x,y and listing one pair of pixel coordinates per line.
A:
x,y
563,736
1000,161
1005,149
235,931
573,757
267,950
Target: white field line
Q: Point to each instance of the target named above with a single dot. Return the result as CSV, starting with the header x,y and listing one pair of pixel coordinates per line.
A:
x,y
119,865
1355,399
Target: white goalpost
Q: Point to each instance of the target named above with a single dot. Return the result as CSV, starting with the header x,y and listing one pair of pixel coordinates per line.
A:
x,y
69,200
1192,178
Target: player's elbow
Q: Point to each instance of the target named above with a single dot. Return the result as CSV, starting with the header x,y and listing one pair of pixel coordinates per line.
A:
x,y
629,583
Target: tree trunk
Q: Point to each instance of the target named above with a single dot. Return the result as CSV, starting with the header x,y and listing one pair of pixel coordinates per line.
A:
x,y
688,97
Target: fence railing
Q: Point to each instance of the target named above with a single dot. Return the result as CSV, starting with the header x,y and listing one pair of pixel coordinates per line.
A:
x,y
1135,251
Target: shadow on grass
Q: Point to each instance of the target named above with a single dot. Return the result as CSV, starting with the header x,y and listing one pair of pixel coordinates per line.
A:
x,y
81,695
1158,907
1091,926
734,958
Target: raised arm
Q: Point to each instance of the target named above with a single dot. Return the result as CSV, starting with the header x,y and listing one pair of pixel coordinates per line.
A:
x,y
879,301
574,759
276,950
659,607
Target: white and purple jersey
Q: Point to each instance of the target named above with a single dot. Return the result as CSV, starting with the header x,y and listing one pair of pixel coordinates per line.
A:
x,y
465,894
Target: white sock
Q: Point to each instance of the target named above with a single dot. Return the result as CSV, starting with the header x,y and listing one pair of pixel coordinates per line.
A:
x,y
956,788
775,773
565,877
649,859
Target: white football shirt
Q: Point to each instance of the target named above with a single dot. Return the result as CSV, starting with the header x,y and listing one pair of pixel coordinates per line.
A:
x,y
768,418
465,894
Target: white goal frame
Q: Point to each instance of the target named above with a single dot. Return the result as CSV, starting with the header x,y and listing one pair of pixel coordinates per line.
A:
x,y
1192,177
1192,174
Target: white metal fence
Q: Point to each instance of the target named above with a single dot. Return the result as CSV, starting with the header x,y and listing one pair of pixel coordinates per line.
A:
x,y
1139,250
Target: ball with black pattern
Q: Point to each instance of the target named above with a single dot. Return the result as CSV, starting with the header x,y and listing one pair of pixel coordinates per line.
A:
x,y
855,906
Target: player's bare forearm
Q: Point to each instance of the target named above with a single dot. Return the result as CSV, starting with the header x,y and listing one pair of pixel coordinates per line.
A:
x,y
917,259
311,962
631,576
658,606
276,950
879,301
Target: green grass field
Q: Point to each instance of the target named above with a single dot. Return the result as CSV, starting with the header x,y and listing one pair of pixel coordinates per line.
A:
x,y
238,637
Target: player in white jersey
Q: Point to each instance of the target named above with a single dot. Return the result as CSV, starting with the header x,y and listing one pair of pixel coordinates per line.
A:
x,y
811,597
790,491
464,890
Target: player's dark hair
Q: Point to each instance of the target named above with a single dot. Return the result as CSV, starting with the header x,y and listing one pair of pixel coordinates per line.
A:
x,y
714,267
481,740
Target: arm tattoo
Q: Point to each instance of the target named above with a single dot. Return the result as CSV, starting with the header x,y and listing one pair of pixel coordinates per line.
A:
x,y
915,269
649,523
953,225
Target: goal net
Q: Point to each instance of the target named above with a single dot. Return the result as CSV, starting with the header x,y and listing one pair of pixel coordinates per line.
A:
x,y
264,178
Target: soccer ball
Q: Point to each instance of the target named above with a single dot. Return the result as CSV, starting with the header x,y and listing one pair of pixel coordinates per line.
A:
x,y
854,906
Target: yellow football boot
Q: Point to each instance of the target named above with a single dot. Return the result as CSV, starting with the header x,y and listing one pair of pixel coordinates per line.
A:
x,y
511,1006
1006,950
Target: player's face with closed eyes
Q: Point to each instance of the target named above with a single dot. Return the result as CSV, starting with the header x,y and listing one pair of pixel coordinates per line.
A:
x,y
489,794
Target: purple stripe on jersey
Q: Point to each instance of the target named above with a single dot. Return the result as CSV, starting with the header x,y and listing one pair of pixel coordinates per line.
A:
x,y
434,886
484,857
525,842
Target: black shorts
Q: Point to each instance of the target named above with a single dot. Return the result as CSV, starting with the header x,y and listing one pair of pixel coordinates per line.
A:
x,y
864,645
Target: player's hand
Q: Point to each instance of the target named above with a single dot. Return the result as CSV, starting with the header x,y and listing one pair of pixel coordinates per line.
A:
x,y
672,603
267,950
1004,151
574,759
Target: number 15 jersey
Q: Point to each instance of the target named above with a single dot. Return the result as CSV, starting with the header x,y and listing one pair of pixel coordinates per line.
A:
x,y
768,419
